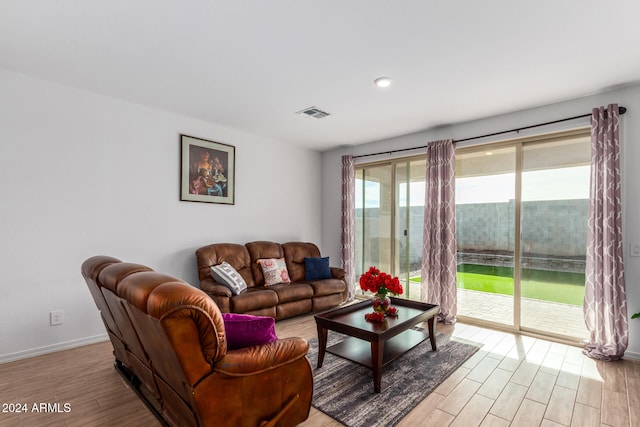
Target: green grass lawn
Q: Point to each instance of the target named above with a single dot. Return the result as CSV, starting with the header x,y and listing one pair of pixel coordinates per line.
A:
x,y
553,286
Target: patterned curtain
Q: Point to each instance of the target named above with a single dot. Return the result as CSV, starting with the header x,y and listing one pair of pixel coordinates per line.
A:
x,y
348,224
605,302
439,239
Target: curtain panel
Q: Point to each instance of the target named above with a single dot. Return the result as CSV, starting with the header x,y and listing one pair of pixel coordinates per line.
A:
x,y
347,245
605,302
439,265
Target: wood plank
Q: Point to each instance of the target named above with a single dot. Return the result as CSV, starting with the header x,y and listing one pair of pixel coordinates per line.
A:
x,y
590,392
541,387
569,376
437,418
614,377
530,414
423,411
585,416
560,407
452,382
525,373
632,370
615,411
483,369
495,383
474,412
509,401
458,398
492,421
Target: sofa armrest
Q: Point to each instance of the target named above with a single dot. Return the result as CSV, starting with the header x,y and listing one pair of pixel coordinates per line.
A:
x,y
215,289
337,273
259,358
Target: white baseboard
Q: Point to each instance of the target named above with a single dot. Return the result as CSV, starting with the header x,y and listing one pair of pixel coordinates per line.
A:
x,y
4,358
631,355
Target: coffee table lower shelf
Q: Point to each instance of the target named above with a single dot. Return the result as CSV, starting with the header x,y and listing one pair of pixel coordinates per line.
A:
x,y
375,344
359,351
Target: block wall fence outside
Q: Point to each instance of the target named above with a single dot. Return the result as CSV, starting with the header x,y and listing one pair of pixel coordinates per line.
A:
x,y
554,234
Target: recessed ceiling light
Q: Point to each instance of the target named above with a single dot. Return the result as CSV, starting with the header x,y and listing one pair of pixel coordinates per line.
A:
x,y
382,81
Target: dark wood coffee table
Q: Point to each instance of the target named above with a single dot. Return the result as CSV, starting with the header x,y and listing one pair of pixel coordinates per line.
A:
x,y
375,344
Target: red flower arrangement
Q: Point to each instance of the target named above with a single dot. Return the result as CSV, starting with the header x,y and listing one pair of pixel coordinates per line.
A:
x,y
374,317
392,311
380,283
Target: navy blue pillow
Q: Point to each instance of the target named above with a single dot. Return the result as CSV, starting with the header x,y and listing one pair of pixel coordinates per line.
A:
x,y
317,268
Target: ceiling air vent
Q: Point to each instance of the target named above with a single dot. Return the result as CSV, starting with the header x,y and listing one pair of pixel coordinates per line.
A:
x,y
313,112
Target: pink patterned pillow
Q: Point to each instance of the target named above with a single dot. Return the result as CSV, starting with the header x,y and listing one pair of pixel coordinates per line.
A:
x,y
274,271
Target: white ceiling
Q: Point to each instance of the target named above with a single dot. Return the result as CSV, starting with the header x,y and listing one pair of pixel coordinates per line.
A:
x,y
251,64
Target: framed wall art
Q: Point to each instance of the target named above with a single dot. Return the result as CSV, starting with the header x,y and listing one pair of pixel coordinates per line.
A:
x,y
207,171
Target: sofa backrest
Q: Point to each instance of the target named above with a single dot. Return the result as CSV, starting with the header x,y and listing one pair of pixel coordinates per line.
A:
x,y
295,253
109,279
181,330
90,271
262,250
174,328
234,254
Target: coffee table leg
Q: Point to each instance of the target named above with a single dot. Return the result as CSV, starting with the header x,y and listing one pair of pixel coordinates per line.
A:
x,y
322,344
432,332
377,352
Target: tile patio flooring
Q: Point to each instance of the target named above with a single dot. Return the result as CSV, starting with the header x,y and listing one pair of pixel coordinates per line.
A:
x,y
544,316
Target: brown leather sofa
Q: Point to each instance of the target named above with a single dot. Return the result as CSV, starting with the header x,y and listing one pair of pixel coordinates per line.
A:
x,y
169,342
278,301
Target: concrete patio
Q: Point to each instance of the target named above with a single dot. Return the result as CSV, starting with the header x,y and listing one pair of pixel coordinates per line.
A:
x,y
536,315
543,316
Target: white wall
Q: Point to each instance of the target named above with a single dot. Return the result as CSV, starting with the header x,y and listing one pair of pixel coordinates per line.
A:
x,y
82,174
628,97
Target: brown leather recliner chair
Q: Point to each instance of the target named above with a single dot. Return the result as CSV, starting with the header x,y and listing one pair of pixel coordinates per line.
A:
x,y
176,337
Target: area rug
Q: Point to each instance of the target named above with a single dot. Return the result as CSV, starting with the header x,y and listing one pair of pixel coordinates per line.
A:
x,y
344,390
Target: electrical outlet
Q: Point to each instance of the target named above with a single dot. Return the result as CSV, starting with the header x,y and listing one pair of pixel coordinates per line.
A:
x,y
635,249
56,317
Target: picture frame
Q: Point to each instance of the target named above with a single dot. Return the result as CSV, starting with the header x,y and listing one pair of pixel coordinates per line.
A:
x,y
207,171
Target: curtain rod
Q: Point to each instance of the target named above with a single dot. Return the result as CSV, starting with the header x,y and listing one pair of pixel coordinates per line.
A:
x,y
621,110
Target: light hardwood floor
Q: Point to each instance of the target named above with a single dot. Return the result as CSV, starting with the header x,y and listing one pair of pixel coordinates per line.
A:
x,y
513,380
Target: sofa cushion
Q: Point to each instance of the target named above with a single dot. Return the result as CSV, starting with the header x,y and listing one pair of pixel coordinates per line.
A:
x,y
253,299
328,287
292,292
234,254
244,330
317,268
294,254
226,275
274,271
262,250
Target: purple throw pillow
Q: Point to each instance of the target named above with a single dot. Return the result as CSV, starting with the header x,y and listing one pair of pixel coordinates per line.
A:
x,y
244,330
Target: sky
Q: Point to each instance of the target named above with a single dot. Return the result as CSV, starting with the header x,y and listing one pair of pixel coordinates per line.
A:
x,y
551,184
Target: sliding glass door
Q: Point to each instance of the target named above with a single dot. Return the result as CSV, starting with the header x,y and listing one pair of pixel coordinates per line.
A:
x,y
409,224
374,218
485,228
555,205
521,217
389,220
